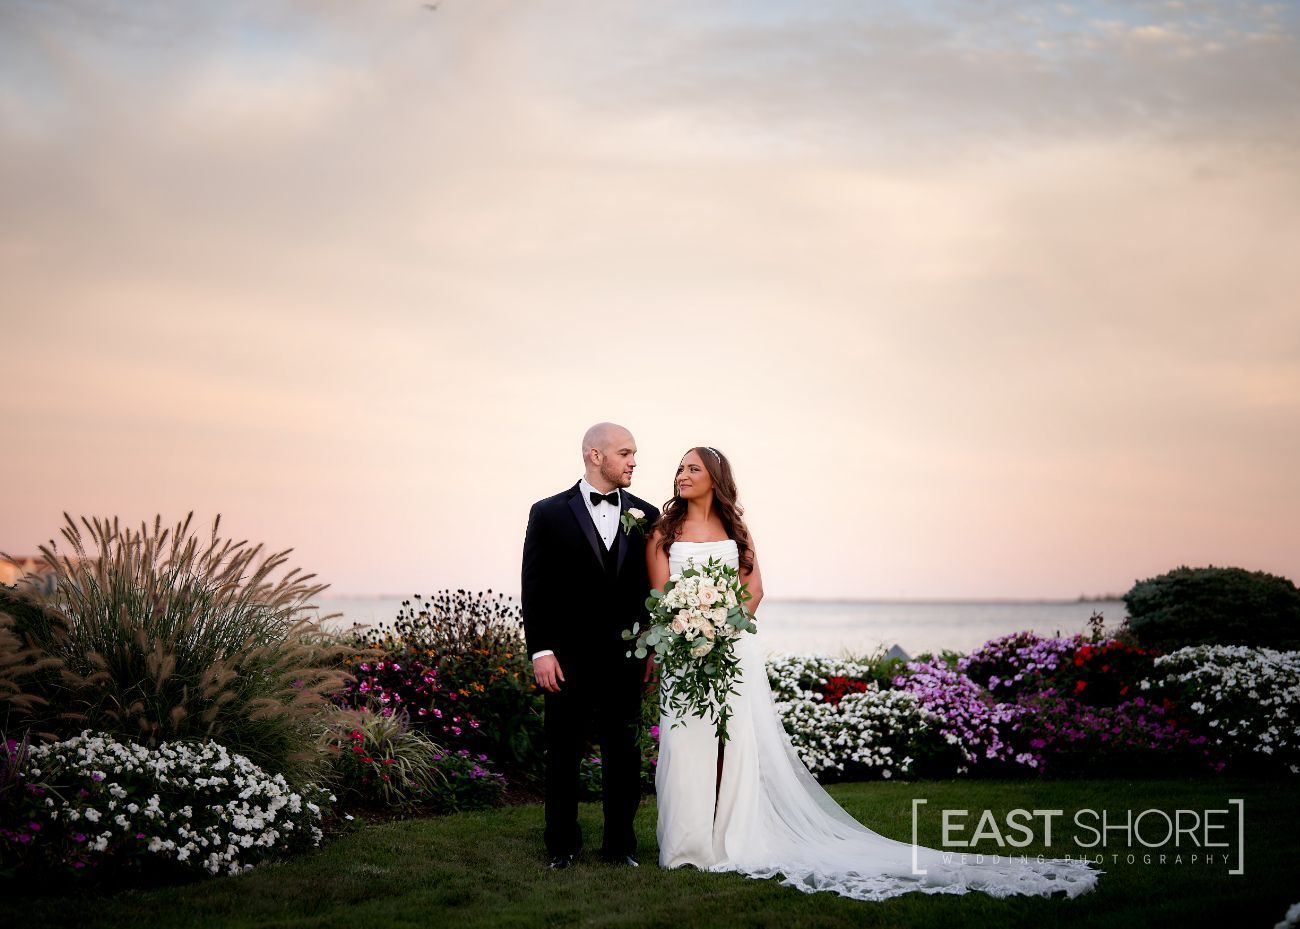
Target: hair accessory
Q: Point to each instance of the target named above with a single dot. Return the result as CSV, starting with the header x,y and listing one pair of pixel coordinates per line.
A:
x,y
715,453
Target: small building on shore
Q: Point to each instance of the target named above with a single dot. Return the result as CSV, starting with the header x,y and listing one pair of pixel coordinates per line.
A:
x,y
15,568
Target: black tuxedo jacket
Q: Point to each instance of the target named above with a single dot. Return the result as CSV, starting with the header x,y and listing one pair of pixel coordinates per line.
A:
x,y
571,604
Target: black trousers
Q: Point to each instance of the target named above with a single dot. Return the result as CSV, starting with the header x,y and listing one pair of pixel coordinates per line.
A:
x,y
600,698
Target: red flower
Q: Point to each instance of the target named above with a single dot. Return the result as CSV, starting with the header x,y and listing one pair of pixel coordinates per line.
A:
x,y
1079,685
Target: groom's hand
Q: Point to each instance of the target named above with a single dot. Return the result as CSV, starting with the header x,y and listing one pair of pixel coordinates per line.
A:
x,y
548,674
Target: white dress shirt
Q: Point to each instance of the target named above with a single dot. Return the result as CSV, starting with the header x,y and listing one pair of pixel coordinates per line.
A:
x,y
604,516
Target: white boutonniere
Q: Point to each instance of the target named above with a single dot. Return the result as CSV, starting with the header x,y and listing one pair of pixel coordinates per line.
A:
x,y
633,518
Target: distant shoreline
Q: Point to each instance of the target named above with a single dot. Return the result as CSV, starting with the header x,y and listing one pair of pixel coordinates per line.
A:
x,y
920,601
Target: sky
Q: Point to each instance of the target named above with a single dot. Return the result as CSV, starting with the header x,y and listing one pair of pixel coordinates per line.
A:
x,y
983,299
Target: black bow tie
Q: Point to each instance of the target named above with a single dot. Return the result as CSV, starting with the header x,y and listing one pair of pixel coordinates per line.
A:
x,y
611,497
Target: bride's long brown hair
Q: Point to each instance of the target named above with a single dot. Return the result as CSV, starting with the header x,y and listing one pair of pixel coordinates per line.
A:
x,y
725,502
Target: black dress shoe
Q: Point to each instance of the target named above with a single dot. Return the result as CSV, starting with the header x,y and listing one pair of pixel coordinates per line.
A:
x,y
560,862
626,860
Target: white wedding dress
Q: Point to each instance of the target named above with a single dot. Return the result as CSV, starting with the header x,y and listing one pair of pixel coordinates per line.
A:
x,y
773,819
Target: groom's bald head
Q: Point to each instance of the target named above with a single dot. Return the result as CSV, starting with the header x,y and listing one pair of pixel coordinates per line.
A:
x,y
602,436
609,455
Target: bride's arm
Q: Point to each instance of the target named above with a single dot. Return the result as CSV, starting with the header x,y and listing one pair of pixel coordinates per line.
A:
x,y
754,578
656,561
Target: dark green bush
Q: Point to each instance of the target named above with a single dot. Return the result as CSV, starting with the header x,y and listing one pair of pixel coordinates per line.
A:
x,y
1215,606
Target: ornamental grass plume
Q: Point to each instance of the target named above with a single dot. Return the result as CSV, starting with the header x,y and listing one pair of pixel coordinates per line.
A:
x,y
157,634
19,665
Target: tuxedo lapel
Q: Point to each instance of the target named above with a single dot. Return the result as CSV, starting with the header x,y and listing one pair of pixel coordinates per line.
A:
x,y
585,525
627,541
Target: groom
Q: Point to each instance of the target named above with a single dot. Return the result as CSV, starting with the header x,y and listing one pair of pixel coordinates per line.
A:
x,y
584,582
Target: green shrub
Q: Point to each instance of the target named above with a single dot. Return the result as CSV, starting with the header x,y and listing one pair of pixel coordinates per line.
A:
x,y
155,635
1214,606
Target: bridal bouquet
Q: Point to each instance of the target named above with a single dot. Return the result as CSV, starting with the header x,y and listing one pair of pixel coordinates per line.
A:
x,y
694,624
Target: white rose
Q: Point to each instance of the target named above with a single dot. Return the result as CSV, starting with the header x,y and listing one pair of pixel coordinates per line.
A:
x,y
708,596
701,648
635,513
719,615
707,629
678,624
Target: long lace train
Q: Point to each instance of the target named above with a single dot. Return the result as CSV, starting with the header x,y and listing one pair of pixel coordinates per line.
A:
x,y
773,819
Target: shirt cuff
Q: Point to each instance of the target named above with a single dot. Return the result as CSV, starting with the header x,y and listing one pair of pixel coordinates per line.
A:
x,y
542,653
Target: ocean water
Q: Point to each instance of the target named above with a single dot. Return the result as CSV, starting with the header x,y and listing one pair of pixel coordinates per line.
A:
x,y
854,627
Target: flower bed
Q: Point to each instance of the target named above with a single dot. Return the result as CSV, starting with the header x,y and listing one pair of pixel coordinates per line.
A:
x,y
842,724
457,664
1244,700
94,804
1029,704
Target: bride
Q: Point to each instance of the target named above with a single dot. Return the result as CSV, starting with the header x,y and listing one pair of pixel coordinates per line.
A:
x,y
749,804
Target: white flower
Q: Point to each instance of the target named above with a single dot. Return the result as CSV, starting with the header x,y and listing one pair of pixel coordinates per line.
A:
x,y
701,648
635,513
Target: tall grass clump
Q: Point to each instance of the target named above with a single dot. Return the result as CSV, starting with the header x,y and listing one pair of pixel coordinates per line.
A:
x,y
384,760
158,634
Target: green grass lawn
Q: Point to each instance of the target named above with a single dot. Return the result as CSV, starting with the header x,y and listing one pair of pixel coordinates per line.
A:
x,y
486,869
